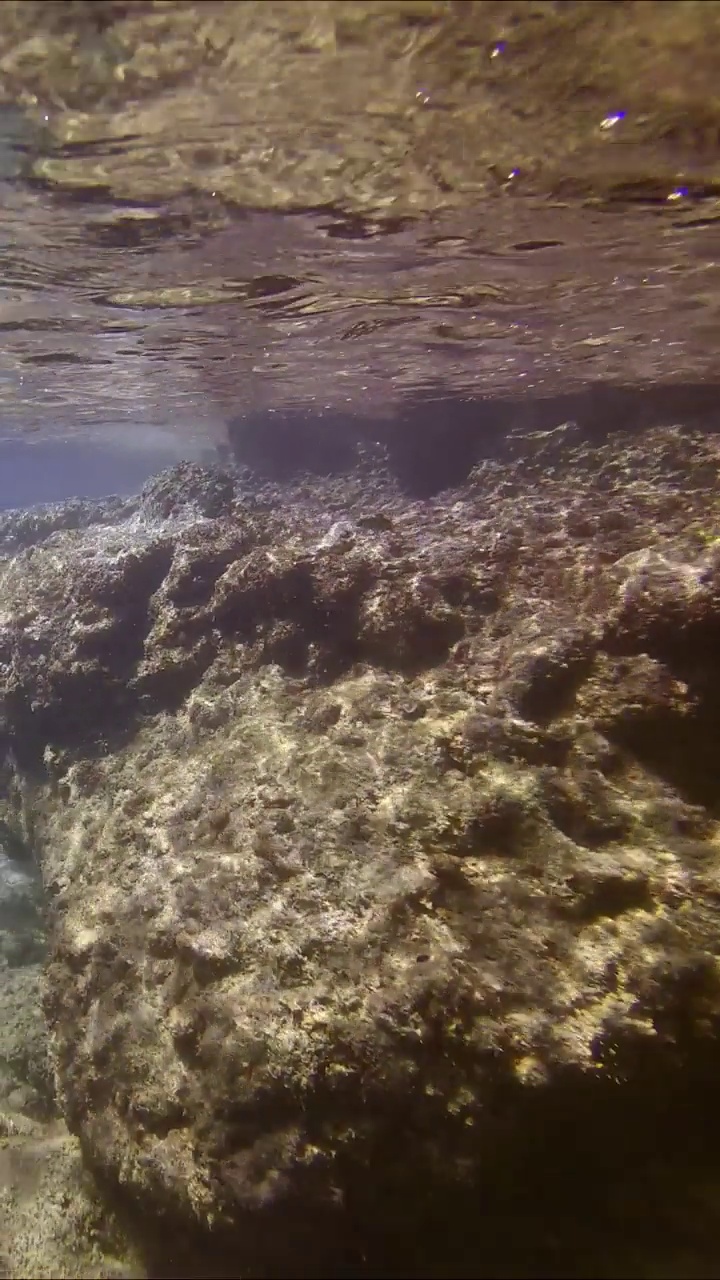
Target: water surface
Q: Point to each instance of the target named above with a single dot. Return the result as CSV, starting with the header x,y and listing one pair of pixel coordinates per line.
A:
x,y
251,212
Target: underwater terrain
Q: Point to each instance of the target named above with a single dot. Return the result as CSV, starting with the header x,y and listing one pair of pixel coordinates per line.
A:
x,y
359,757
381,866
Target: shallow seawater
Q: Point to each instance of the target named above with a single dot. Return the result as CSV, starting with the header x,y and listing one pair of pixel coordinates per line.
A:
x,y
352,212
291,237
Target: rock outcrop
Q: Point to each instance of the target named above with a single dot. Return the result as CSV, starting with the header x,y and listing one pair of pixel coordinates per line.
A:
x,y
380,847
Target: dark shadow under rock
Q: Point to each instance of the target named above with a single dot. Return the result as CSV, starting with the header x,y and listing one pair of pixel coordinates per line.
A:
x,y
580,1186
437,438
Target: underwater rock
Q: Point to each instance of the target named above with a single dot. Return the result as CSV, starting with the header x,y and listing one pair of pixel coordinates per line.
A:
x,y
53,1223
26,1084
375,867
186,485
25,1069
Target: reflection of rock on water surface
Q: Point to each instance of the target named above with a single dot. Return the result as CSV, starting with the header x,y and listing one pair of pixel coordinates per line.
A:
x,y
213,211
383,908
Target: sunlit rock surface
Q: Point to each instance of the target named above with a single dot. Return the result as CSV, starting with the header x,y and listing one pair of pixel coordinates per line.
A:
x,y
379,840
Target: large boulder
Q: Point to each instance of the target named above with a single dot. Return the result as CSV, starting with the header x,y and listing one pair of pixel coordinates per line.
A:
x,y
380,848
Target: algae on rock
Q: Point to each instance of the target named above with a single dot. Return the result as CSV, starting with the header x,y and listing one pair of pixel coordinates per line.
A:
x,y
372,860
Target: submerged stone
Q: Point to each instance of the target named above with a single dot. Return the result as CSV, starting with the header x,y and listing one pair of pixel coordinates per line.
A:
x,y
382,874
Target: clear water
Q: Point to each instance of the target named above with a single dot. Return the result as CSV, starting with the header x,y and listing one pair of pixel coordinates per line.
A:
x,y
270,230
229,212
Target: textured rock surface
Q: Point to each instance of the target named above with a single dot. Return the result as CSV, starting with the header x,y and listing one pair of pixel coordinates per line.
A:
x,y
380,841
25,1070
52,1222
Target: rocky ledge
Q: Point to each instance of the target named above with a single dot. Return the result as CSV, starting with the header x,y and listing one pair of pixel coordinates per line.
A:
x,y
380,845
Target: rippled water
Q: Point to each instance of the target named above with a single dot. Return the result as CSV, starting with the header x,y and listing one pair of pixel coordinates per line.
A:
x,y
228,212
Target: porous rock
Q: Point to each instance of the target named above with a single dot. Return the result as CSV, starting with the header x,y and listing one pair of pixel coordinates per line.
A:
x,y
372,860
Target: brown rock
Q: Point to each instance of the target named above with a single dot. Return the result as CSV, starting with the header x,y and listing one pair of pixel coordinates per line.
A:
x,y
363,879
